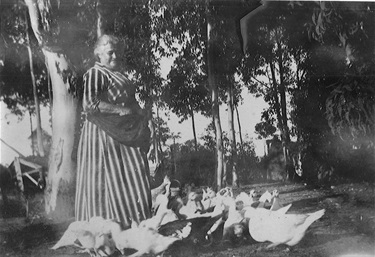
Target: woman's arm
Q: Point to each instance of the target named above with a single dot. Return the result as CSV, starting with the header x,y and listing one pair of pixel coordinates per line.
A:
x,y
105,107
95,83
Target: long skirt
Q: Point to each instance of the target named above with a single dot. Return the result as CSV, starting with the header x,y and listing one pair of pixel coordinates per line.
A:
x,y
112,179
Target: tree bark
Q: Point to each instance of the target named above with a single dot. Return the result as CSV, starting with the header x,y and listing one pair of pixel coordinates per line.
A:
x,y
61,174
60,188
232,138
154,138
215,106
49,91
239,125
99,24
282,88
31,133
276,99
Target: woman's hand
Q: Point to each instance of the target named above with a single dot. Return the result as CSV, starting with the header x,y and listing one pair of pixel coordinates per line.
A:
x,y
124,110
105,107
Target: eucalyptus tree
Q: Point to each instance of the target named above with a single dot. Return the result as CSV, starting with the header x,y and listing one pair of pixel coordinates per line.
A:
x,y
188,25
268,66
62,31
207,31
228,55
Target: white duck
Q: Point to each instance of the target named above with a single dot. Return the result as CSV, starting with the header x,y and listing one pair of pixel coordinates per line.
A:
x,y
78,230
278,227
162,189
145,241
224,200
92,235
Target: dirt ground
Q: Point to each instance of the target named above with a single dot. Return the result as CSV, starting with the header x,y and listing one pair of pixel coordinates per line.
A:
x,y
346,229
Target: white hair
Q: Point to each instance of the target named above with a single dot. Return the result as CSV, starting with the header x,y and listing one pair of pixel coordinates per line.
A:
x,y
103,41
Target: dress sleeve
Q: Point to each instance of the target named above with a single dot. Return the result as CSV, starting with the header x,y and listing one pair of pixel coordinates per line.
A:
x,y
95,82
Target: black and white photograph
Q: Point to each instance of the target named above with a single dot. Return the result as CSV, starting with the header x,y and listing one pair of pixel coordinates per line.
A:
x,y
187,128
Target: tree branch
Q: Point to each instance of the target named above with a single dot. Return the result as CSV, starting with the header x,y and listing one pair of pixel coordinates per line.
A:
x,y
34,14
261,82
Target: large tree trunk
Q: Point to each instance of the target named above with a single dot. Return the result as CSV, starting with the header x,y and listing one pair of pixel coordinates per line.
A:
x,y
239,125
154,137
215,108
59,193
282,89
277,108
232,138
31,132
276,99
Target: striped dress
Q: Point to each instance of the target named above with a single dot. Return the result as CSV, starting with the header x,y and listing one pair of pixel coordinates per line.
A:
x,y
112,178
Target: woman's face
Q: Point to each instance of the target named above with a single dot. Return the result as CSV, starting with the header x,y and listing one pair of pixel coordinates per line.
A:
x,y
108,56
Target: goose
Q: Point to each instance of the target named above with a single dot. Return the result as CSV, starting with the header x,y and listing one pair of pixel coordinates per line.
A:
x,y
92,235
162,189
278,227
143,240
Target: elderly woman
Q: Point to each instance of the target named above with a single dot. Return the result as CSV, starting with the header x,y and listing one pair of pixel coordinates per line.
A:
x,y
112,171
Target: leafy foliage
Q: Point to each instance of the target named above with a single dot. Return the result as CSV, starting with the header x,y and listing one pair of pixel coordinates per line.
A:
x,y
16,87
350,111
328,52
186,91
344,32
